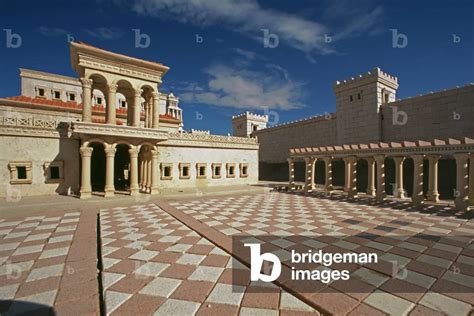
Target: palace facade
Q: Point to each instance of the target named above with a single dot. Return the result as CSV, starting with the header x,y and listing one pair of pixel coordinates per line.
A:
x,y
111,130
375,144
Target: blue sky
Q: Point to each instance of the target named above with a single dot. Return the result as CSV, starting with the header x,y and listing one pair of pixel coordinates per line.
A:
x,y
231,70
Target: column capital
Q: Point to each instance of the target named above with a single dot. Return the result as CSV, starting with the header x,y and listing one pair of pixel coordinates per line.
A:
x,y
113,87
417,157
433,157
379,158
86,82
155,95
327,159
86,151
310,159
155,153
350,159
398,159
110,151
462,157
133,152
369,159
290,160
138,92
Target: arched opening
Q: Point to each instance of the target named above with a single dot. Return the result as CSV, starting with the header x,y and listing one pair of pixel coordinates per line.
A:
x,y
338,172
446,178
126,95
408,172
390,176
362,175
122,168
97,167
147,105
320,174
99,95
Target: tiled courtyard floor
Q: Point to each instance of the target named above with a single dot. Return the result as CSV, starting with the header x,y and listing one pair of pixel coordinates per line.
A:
x,y
175,257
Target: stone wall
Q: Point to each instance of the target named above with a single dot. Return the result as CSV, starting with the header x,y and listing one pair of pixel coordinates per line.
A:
x,y
275,142
444,114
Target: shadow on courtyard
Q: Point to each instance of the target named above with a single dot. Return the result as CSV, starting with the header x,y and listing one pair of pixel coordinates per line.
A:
x,y
402,205
18,307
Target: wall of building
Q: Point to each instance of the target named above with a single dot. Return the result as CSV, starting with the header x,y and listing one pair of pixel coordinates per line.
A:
x,y
38,151
194,155
444,114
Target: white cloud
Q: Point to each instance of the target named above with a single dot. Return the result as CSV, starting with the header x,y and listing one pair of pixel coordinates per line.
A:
x,y
249,18
242,16
245,89
105,33
52,31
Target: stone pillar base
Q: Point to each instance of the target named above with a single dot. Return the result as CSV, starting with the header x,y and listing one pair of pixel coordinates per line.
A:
x,y
417,200
85,195
109,193
371,192
381,197
400,194
352,194
433,197
154,191
461,204
134,192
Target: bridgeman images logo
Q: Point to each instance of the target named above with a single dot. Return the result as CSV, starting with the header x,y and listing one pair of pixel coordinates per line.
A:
x,y
322,261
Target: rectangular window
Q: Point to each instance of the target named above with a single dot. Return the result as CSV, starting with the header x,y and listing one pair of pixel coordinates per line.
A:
x,y
56,94
230,170
201,170
166,171
53,171
123,104
244,170
184,171
351,98
20,172
99,101
72,96
358,96
41,92
216,170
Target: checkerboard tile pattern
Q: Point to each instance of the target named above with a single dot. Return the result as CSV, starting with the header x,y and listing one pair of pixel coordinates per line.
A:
x,y
154,264
440,270
40,265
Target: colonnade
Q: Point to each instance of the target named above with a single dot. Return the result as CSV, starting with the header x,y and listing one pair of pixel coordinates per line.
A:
x,y
148,170
464,193
152,106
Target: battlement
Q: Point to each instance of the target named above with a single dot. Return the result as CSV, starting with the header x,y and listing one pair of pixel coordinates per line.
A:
x,y
374,75
202,132
251,116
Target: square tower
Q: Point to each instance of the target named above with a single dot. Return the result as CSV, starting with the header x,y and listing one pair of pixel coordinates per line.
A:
x,y
358,102
245,124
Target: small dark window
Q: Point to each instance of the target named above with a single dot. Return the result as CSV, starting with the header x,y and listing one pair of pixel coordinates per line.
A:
x,y
72,97
231,170
185,171
167,171
244,170
54,172
57,94
255,128
386,95
358,96
351,98
123,104
41,92
21,172
202,171
217,171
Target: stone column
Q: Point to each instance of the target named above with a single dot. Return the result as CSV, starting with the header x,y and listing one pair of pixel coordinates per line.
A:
x,y
154,172
417,197
371,176
380,161
147,114
86,100
109,171
111,104
142,175
347,174
433,194
291,176
471,180
86,189
310,163
398,191
462,188
148,172
328,174
351,176
156,109
137,107
133,171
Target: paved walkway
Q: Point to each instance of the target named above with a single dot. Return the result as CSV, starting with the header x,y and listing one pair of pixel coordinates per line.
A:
x,y
177,256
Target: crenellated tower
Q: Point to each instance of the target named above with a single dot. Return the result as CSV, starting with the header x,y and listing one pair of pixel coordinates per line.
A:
x,y
246,123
